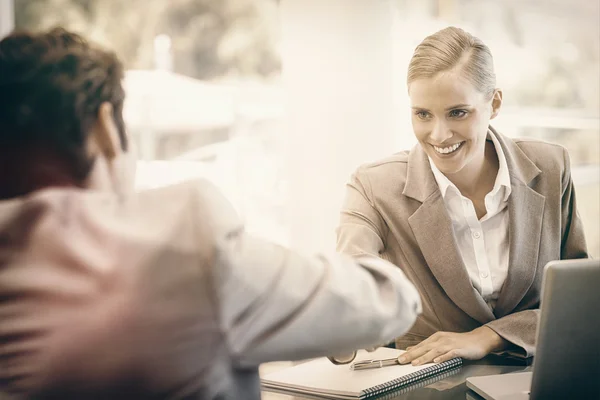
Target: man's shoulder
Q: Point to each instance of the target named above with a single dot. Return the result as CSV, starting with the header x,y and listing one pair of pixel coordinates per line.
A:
x,y
194,192
202,200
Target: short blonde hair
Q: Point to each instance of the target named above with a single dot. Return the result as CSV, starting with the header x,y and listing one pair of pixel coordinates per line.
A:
x,y
453,47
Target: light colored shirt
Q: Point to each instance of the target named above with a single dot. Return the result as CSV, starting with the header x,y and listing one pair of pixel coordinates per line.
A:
x,y
166,288
483,243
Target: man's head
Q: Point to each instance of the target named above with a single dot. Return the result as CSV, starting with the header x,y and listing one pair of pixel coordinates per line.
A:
x,y
61,122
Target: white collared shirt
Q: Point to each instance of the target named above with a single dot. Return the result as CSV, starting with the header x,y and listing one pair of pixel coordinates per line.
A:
x,y
483,243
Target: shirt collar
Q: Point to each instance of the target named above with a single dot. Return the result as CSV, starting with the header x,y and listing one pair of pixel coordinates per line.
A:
x,y
502,179
443,182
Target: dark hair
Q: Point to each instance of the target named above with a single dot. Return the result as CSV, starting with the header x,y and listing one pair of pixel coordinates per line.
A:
x,y
51,87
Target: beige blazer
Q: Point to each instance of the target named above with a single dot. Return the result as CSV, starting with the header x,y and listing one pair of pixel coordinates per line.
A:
x,y
394,209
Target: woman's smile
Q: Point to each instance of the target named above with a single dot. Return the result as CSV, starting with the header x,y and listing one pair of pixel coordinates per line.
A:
x,y
448,150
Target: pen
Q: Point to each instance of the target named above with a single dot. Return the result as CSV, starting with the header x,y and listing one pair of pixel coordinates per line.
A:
x,y
370,364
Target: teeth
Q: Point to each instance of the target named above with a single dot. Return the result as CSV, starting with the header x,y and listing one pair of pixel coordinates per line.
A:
x,y
447,150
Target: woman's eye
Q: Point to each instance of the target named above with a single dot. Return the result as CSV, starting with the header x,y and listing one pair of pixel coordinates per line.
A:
x,y
457,113
422,114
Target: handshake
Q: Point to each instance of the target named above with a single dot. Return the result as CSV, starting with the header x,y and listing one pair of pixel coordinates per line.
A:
x,y
348,358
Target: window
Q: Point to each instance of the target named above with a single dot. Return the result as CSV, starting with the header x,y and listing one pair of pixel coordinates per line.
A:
x,y
205,95
203,89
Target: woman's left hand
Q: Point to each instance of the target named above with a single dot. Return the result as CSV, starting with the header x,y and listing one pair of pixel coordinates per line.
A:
x,y
443,346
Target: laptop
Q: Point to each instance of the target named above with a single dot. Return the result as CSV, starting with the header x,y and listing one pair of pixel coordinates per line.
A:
x,y
567,361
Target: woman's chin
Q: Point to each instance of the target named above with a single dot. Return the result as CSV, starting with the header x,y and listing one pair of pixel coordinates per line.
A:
x,y
448,166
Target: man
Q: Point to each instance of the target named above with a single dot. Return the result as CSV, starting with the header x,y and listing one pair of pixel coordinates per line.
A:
x,y
106,293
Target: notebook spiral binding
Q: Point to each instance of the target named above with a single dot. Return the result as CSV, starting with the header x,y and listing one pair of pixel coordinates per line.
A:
x,y
393,395
409,379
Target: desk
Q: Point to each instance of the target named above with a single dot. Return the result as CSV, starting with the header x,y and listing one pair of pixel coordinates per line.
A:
x,y
451,388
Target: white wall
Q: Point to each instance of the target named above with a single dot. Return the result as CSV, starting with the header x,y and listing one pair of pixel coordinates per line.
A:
x,y
7,17
339,86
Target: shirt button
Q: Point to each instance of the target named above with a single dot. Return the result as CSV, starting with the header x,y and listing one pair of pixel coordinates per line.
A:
x,y
484,275
476,234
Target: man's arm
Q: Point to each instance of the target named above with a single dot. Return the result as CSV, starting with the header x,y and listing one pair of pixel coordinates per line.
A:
x,y
276,304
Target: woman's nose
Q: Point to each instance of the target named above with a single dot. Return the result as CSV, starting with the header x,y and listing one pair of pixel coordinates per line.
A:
x,y
440,133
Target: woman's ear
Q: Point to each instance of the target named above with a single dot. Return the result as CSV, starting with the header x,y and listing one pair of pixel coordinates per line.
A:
x,y
496,103
104,137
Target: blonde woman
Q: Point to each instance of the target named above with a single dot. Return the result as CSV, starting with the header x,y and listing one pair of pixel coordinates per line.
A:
x,y
470,215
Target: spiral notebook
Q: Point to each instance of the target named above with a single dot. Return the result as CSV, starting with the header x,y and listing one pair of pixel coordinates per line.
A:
x,y
320,378
392,394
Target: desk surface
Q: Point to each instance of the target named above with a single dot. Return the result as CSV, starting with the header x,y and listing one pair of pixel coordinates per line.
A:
x,y
450,388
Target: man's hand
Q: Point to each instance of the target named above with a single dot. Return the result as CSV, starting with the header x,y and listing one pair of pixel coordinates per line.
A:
x,y
443,346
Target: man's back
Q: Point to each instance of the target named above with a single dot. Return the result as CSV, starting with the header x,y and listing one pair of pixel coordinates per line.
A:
x,y
162,295
129,277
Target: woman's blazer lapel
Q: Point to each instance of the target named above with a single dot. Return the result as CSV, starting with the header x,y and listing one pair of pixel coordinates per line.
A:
x,y
525,210
432,229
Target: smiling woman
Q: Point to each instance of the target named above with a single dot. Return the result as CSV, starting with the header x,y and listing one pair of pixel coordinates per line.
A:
x,y
451,83
462,212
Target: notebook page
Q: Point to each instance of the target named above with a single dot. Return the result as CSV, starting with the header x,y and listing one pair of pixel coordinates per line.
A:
x,y
322,376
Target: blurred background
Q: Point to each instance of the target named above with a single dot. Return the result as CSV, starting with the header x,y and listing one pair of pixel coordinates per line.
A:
x,y
278,102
